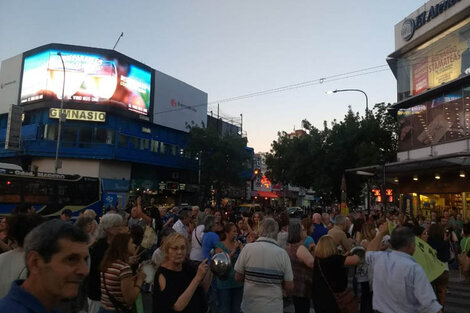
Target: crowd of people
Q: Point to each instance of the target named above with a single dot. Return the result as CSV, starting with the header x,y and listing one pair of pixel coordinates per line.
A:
x,y
106,264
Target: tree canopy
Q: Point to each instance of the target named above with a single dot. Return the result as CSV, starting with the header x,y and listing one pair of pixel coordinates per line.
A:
x,y
222,160
318,159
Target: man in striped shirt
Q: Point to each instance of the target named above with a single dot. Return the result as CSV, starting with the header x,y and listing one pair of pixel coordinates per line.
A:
x,y
265,269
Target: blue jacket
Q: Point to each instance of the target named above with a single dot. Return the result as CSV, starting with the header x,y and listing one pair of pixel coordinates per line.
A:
x,y
18,300
318,231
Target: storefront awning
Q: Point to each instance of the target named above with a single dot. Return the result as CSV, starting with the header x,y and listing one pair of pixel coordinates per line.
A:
x,y
267,194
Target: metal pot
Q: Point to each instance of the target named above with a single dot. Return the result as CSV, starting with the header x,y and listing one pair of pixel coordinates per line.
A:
x,y
221,265
360,251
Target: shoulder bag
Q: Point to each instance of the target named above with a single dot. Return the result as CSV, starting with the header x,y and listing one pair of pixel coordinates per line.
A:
x,y
118,305
150,237
346,300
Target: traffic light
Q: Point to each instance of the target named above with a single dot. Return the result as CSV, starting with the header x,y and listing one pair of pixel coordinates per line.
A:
x,y
377,194
389,195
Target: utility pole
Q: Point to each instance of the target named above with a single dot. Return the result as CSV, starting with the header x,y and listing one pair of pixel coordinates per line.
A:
x,y
62,117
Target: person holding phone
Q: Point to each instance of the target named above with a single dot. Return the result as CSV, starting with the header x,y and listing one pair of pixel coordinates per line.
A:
x,y
119,287
179,287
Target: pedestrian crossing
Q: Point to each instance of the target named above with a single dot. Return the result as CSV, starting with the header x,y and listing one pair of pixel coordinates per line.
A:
x,y
458,294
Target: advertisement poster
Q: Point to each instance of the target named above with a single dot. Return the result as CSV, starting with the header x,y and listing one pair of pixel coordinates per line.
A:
x,y
89,77
420,76
439,62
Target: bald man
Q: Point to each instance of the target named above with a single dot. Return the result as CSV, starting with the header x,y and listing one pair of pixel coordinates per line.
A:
x,y
318,229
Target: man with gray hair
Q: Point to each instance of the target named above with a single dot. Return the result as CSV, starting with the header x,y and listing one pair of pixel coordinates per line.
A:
x,y
181,226
339,235
399,282
56,256
265,269
111,224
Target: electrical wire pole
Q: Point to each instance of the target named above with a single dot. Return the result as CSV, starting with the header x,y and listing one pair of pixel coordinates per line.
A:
x,y
62,116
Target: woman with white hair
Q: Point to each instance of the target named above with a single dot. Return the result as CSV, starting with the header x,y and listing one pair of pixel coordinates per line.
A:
x,y
110,226
94,229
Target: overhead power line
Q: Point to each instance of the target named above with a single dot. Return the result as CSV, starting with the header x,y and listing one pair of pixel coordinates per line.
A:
x,y
317,81
410,61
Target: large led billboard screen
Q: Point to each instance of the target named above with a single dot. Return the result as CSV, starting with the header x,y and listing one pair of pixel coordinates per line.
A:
x,y
102,77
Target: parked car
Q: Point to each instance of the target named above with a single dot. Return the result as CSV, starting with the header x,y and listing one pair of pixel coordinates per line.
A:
x,y
295,211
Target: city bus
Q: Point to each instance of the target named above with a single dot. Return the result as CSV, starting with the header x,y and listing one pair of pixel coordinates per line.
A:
x,y
48,193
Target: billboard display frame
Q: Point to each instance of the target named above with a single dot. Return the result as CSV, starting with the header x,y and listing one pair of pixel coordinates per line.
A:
x,y
101,105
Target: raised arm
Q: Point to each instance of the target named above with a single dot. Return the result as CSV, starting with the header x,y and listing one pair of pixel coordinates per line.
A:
x,y
374,244
183,300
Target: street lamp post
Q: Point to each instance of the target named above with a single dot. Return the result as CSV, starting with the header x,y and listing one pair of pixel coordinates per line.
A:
x,y
61,117
366,199
357,90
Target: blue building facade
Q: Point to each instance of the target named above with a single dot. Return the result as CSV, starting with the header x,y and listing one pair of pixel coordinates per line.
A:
x,y
126,122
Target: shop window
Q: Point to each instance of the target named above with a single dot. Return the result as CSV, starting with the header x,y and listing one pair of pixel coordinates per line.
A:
x,y
103,135
133,142
173,149
154,146
163,148
86,134
69,136
440,60
122,141
100,135
50,132
144,144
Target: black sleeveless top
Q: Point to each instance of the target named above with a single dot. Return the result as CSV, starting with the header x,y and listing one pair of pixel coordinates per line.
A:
x,y
176,284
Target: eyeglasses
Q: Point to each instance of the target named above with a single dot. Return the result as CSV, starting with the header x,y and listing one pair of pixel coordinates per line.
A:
x,y
177,248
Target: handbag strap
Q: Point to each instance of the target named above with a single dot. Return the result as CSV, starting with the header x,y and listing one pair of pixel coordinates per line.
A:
x,y
324,278
115,302
195,235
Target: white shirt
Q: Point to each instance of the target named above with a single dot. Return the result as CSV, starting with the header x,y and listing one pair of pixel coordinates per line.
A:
x,y
158,257
265,266
179,227
196,244
12,267
400,284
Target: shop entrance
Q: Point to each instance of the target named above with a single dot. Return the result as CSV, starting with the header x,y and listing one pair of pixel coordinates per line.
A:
x,y
424,204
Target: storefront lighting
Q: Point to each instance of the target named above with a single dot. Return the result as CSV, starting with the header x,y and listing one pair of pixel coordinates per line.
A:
x,y
415,178
437,176
462,174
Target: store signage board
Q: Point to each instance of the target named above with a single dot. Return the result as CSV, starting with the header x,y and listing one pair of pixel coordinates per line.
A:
x,y
13,135
409,26
79,115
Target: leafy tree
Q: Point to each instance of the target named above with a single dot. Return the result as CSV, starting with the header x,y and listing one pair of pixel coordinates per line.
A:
x,y
319,158
222,160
